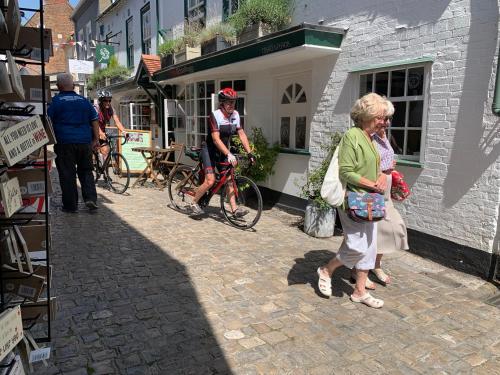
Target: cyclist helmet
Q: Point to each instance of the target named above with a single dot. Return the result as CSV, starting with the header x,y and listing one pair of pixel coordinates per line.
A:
x,y
227,94
104,94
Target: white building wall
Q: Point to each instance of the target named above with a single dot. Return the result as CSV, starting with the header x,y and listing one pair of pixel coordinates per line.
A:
x,y
115,21
456,194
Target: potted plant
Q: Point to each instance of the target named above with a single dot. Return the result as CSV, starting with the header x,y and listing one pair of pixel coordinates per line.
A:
x,y
319,219
265,156
217,37
189,43
256,18
113,73
166,50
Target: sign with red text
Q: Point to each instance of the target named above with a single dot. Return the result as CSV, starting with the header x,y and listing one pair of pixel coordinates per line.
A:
x,y
11,330
20,140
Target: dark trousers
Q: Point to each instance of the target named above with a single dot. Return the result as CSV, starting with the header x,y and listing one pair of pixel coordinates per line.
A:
x,y
73,160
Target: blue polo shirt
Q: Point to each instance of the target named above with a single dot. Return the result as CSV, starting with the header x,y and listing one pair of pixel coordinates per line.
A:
x,y
71,116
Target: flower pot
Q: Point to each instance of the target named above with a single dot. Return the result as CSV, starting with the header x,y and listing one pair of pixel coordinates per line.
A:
x,y
167,60
215,44
254,31
187,54
319,222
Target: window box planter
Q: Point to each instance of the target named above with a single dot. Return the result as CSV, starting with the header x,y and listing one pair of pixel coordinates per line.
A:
x,y
167,60
254,31
187,54
215,44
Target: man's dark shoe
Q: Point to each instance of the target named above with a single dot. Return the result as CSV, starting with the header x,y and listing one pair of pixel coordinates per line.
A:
x,y
91,205
69,211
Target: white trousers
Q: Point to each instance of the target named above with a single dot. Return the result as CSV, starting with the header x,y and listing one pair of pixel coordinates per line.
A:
x,y
359,248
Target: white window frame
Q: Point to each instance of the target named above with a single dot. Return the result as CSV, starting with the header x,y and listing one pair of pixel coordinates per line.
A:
x,y
304,79
190,106
424,97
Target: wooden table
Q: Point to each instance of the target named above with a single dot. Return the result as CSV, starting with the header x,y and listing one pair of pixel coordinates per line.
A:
x,y
153,157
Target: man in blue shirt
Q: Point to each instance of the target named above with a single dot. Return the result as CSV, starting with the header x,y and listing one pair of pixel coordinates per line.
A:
x,y
77,131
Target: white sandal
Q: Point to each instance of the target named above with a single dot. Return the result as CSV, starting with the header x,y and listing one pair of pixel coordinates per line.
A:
x,y
368,300
384,278
324,284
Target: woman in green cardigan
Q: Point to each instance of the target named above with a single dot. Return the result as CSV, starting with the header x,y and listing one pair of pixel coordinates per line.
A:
x,y
359,168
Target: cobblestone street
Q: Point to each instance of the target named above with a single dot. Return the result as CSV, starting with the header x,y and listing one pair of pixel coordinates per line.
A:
x,y
142,289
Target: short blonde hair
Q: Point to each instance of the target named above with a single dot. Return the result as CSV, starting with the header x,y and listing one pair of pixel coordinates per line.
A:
x,y
367,108
390,107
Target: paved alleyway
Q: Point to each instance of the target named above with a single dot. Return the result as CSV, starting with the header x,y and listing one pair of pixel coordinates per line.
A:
x,y
143,289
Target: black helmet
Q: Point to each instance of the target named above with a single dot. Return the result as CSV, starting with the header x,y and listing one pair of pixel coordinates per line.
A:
x,y
104,94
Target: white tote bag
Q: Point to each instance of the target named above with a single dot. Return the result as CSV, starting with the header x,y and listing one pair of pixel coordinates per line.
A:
x,y
333,190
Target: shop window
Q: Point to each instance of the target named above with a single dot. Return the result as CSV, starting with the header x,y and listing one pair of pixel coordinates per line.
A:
x,y
146,29
136,115
130,42
293,116
196,103
405,88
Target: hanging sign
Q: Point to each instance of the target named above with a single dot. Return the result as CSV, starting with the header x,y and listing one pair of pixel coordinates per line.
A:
x,y
103,53
81,66
20,140
11,330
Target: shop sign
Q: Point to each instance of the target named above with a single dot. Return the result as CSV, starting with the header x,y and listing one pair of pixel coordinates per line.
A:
x,y
81,66
20,140
11,330
103,53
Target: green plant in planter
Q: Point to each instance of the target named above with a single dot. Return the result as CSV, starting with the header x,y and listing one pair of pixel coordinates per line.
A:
x,y
222,29
191,36
312,187
113,70
170,46
266,156
276,14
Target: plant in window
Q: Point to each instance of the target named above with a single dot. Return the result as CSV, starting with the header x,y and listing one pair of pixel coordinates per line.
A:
x,y
273,14
266,156
217,37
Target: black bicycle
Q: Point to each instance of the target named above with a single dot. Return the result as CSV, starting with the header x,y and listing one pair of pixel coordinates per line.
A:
x,y
114,168
241,190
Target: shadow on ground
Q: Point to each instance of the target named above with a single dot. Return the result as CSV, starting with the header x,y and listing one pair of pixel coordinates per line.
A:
x,y
124,303
304,272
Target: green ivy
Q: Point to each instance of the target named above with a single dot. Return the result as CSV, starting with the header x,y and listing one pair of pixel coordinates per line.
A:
x,y
312,187
265,156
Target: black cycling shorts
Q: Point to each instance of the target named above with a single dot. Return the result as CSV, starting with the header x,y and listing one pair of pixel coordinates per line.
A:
x,y
211,159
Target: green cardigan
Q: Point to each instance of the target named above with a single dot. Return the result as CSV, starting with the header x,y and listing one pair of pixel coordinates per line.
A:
x,y
358,157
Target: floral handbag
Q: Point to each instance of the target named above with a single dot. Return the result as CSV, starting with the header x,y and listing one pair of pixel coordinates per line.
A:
x,y
365,206
399,190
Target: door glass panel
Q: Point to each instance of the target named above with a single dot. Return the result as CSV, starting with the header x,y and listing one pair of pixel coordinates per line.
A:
x,y
297,90
398,83
210,88
285,132
302,98
284,99
240,85
415,114
289,91
381,83
240,106
225,84
201,107
201,89
415,81
300,132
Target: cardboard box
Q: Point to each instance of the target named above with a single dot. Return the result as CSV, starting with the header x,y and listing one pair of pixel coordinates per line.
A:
x,y
32,90
31,181
37,311
34,236
31,205
23,284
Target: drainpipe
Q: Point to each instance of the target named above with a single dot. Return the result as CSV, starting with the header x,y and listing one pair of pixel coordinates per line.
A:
x,y
496,97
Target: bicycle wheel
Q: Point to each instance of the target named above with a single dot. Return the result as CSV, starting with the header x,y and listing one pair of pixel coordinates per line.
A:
x,y
181,187
248,201
117,173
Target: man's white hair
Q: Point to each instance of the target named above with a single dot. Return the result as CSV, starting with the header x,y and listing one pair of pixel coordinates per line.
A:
x,y
65,80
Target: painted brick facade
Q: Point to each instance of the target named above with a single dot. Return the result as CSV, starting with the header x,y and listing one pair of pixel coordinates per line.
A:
x,y
456,194
57,17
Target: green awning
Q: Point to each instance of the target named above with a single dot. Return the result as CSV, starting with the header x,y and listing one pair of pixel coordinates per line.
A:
x,y
292,45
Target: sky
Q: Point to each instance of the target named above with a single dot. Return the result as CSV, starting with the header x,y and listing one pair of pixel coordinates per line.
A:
x,y
35,4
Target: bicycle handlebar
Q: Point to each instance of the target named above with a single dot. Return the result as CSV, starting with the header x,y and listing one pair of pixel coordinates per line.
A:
x,y
126,137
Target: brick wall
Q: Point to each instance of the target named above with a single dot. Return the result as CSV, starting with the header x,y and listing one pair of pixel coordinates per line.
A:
x,y
456,194
57,18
